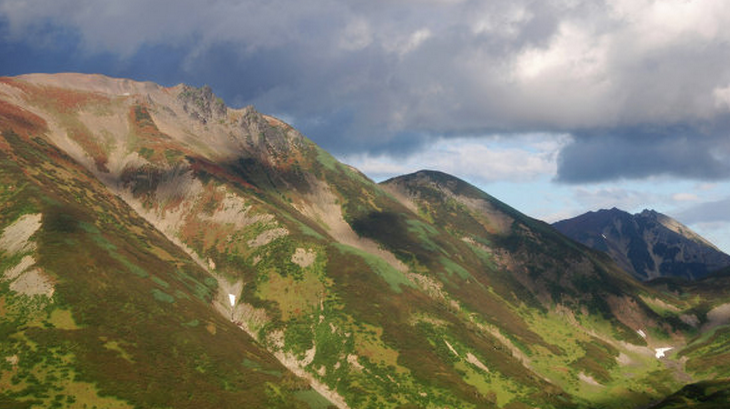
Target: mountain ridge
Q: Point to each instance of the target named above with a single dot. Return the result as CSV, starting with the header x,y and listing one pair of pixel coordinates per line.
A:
x,y
647,244
321,285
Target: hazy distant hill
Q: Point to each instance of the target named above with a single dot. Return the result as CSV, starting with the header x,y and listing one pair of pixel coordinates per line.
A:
x,y
160,249
648,244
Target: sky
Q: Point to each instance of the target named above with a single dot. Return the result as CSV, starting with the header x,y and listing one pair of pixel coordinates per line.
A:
x,y
556,107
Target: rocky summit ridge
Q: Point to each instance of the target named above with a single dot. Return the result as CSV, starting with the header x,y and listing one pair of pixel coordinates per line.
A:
x,y
648,244
160,249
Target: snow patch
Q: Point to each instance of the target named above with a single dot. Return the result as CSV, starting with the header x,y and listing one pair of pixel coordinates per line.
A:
x,y
232,299
660,351
641,333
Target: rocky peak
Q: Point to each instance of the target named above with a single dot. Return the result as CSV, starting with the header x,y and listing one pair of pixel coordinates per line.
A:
x,y
647,244
267,135
201,103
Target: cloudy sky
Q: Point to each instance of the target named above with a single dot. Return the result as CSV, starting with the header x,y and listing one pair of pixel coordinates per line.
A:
x,y
556,107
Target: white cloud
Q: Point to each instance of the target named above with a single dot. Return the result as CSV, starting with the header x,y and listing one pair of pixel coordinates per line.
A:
x,y
479,159
375,70
685,197
613,196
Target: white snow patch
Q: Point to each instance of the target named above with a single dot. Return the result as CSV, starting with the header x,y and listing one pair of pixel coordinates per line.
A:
x,y
641,333
604,236
232,299
660,351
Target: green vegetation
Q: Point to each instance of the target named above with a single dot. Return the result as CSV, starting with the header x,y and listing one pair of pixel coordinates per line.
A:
x,y
393,277
495,310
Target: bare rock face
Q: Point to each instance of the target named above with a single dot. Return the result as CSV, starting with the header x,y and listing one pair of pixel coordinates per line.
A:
x,y
268,135
202,104
648,244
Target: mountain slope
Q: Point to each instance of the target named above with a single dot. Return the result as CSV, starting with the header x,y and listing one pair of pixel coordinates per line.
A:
x,y
97,308
533,265
708,355
647,244
420,292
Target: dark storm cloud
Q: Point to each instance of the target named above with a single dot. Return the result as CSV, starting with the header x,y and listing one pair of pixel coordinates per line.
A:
x,y
390,76
639,152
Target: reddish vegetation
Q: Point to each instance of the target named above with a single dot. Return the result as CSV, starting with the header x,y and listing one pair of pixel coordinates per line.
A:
x,y
87,141
57,99
277,123
172,204
19,120
144,126
151,137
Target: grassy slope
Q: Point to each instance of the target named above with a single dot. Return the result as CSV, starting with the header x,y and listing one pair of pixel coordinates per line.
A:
x,y
561,274
707,352
129,323
377,336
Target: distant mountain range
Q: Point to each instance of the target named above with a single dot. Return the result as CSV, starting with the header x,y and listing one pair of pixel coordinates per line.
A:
x,y
160,249
647,244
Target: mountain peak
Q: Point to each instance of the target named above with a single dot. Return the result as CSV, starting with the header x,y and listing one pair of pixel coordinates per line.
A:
x,y
649,213
648,244
266,266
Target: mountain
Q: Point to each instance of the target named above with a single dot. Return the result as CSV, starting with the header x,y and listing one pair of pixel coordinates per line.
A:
x,y
711,350
647,245
160,249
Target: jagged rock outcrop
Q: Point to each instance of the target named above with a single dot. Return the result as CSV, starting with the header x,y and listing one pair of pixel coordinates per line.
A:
x,y
201,103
